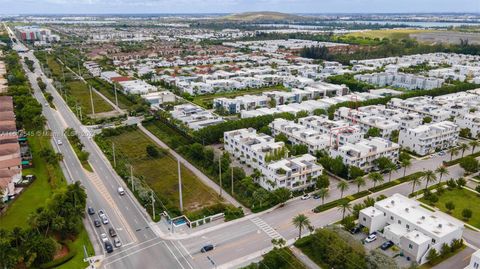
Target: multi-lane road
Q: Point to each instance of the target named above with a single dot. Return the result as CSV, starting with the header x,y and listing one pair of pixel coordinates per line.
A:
x,y
144,245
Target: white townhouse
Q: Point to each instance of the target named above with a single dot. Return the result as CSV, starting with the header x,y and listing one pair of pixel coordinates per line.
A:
x,y
239,103
339,132
474,261
411,227
423,105
367,121
194,116
137,87
428,138
364,153
470,121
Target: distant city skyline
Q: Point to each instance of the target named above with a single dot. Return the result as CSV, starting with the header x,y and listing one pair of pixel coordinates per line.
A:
x,y
235,6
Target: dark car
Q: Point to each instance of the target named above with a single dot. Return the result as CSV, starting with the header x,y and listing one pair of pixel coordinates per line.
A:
x,y
112,232
386,245
316,196
108,247
356,230
97,223
90,210
207,248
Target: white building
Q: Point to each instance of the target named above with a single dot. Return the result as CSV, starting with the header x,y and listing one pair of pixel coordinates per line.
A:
x,y
367,121
137,87
474,261
157,98
364,153
239,103
194,116
413,228
425,139
423,105
470,121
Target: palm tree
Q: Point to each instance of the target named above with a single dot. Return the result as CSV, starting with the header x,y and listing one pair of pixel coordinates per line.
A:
x,y
441,170
429,176
390,168
405,163
463,147
323,193
301,221
342,186
473,144
360,181
453,152
375,177
415,181
344,207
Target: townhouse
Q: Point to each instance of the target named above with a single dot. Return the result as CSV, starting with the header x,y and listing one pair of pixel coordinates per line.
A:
x,y
367,121
423,105
239,103
194,116
471,121
428,138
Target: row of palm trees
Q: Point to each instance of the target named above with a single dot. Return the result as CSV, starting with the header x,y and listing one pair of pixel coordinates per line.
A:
x,y
464,147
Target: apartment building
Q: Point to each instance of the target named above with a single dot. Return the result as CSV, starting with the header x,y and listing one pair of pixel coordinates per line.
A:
x,y
261,152
367,121
423,105
411,227
471,121
194,116
364,153
339,132
428,138
239,103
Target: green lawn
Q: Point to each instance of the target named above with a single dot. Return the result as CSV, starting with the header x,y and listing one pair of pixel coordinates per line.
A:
x,y
77,260
48,178
161,173
462,199
167,134
389,33
108,91
207,99
80,92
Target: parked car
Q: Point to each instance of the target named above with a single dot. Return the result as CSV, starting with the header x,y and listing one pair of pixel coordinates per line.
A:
x,y
105,220
108,246
104,237
121,191
356,230
207,248
441,153
112,232
117,242
386,245
306,196
371,238
90,210
97,223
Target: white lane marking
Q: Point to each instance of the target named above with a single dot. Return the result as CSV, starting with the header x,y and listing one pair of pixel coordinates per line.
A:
x,y
186,251
134,252
175,256
179,251
125,249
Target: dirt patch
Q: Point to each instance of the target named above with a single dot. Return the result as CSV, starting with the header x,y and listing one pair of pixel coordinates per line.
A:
x,y
61,253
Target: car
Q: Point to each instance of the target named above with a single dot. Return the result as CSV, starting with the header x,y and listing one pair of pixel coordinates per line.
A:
x,y
306,196
105,220
316,196
104,237
101,213
356,230
59,142
46,104
108,246
441,153
117,242
90,210
97,223
121,191
207,248
112,232
386,245
370,238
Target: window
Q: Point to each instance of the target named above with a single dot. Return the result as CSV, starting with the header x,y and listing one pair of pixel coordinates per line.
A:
x,y
399,222
364,219
410,246
408,226
391,217
475,265
384,214
433,241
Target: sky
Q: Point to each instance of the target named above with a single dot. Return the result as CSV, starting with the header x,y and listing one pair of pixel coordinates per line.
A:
x,y
234,6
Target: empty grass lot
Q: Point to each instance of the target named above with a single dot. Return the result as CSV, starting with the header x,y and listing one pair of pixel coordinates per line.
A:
x,y
390,34
108,91
167,134
462,199
161,173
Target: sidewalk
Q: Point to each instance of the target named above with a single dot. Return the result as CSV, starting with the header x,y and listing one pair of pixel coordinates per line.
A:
x,y
304,258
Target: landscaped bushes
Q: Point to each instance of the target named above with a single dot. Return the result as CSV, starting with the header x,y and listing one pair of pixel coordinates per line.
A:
x,y
55,263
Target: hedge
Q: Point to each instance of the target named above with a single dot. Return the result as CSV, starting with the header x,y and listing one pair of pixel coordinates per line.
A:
x,y
55,263
457,161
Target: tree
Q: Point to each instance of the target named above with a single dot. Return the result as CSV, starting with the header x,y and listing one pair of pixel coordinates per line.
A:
x,y
429,176
342,186
405,163
473,144
449,206
260,196
441,170
416,180
390,168
444,250
152,151
383,163
375,177
282,195
373,132
453,152
299,149
469,164
465,132
432,255
345,207
323,193
355,171
467,214
477,188
427,120
360,181
463,147
301,221
322,181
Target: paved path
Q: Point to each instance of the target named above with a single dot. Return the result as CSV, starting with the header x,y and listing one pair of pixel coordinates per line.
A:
x,y
205,179
304,258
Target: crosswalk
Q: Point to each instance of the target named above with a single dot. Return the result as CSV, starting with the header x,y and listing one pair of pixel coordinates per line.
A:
x,y
266,228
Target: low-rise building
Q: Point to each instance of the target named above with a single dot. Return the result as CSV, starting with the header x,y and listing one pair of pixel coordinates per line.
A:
x,y
239,103
474,261
194,116
470,121
413,228
428,138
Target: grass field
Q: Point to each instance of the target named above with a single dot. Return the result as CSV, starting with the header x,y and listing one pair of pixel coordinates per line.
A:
x,y
207,99
77,260
161,173
462,199
48,178
168,135
390,34
107,90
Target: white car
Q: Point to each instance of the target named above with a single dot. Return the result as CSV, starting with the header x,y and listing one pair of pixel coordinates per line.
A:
x,y
117,242
371,238
104,237
59,142
121,191
306,196
105,220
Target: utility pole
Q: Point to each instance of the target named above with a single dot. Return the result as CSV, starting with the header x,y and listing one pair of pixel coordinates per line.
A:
x,y
131,178
81,116
220,173
180,186
114,159
232,179
153,206
91,100
116,98
79,73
